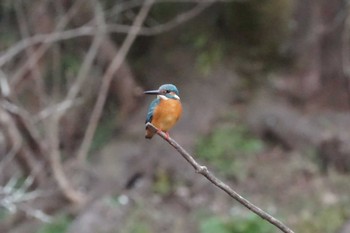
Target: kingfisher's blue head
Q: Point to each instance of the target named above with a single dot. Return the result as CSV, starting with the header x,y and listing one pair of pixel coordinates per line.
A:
x,y
165,91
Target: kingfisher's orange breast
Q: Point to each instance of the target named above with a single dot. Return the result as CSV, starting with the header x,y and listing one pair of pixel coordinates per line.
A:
x,y
166,114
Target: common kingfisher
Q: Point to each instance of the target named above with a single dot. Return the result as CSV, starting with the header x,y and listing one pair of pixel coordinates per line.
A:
x,y
165,110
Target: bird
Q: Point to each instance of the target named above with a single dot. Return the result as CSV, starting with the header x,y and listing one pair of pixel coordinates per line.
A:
x,y
165,110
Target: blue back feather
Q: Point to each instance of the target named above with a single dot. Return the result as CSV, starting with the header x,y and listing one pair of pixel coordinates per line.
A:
x,y
151,108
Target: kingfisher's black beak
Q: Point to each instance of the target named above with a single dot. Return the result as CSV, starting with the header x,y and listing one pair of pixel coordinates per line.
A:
x,y
153,92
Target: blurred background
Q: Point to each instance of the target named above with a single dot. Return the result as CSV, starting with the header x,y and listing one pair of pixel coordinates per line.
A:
x,y
265,88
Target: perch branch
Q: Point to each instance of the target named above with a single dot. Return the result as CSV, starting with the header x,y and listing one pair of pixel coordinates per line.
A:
x,y
217,182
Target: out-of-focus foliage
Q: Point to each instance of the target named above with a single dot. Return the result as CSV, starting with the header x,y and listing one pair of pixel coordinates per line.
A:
x,y
258,28
244,37
104,130
227,146
209,51
236,224
140,227
326,220
162,183
59,225
3,214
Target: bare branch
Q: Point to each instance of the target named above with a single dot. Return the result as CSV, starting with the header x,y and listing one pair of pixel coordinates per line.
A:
x,y
107,78
60,108
90,30
32,61
44,39
36,69
13,138
65,186
217,182
19,132
87,63
5,89
120,7
179,19
24,125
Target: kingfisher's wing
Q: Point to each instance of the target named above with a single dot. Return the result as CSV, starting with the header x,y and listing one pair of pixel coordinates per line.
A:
x,y
151,108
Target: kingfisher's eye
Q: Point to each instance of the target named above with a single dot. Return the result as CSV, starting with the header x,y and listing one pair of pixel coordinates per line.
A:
x,y
167,91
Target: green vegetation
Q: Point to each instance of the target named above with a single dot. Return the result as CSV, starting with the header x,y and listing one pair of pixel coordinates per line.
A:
x,y
139,220
71,64
257,28
59,225
3,213
209,52
140,227
226,148
326,220
237,224
104,130
162,183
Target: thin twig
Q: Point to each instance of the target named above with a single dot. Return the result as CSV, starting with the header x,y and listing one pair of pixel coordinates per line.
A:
x,y
5,89
59,108
91,55
32,61
90,30
36,70
127,5
65,185
165,27
107,78
217,182
67,188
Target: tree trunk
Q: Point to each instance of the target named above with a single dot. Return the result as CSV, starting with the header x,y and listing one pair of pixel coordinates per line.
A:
x,y
334,82
317,46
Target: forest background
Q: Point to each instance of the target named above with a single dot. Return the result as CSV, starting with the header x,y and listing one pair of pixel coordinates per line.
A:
x,y
265,87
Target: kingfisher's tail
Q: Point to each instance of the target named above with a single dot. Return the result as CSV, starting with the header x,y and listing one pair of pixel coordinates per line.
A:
x,y
149,133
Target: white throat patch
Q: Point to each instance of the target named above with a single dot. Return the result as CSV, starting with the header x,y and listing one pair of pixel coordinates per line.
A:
x,y
166,98
162,97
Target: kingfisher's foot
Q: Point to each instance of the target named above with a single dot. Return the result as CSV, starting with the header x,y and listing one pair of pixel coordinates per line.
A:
x,y
166,133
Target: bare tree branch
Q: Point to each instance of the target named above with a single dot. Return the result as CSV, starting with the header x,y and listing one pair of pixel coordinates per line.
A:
x,y
176,21
107,78
120,7
36,69
91,55
63,182
66,187
90,30
32,61
20,133
12,137
5,89
60,108
24,124
217,182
